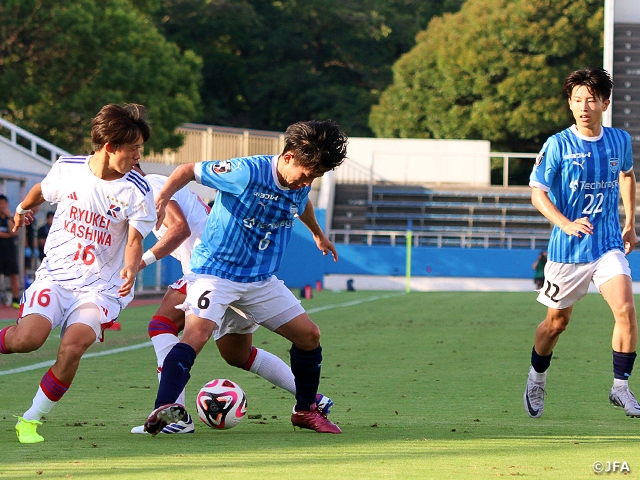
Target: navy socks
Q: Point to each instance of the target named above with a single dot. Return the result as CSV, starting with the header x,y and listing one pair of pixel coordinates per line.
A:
x,y
175,373
623,365
305,366
539,363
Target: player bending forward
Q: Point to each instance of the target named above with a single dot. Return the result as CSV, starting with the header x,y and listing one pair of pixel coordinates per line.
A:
x,y
242,246
577,180
93,250
184,222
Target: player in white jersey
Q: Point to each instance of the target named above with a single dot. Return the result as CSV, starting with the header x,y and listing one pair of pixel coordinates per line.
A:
x,y
577,181
258,200
93,251
183,226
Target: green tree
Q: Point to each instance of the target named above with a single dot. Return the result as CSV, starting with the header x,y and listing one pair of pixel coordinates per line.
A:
x,y
62,60
492,71
268,64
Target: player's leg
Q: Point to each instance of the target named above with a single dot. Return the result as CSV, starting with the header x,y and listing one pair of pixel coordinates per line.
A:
x,y
164,327
14,281
564,285
273,305
28,335
163,330
234,340
306,361
82,328
204,312
237,350
618,293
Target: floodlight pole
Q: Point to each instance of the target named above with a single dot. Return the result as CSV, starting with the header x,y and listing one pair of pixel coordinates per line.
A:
x,y
607,54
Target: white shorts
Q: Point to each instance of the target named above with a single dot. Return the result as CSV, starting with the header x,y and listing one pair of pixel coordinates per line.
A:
x,y
58,305
566,283
268,303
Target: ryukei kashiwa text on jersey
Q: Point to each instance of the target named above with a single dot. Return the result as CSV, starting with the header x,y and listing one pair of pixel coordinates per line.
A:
x,y
251,220
195,212
581,176
86,242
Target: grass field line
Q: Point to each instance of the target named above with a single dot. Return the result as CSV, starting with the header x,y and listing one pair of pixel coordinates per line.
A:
x,y
49,363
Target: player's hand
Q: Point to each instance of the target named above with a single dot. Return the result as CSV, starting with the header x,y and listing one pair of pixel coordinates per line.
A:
x,y
325,245
19,220
129,277
630,239
578,228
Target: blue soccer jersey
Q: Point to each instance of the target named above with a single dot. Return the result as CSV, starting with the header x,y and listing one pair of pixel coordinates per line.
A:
x,y
250,223
581,176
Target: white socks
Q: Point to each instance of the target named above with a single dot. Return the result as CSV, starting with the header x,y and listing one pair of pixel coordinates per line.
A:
x,y
41,406
274,370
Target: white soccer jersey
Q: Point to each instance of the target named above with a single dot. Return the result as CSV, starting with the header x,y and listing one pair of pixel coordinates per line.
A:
x,y
86,242
194,210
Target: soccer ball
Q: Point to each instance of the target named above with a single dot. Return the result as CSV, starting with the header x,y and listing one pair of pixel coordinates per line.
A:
x,y
221,404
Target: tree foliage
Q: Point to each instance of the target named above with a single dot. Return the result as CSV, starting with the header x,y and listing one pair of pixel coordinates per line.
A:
x,y
268,64
492,71
62,60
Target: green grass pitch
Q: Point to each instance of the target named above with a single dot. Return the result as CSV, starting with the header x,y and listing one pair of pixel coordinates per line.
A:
x,y
426,385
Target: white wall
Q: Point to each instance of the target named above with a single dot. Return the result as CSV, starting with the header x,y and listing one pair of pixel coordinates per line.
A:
x,y
626,11
418,160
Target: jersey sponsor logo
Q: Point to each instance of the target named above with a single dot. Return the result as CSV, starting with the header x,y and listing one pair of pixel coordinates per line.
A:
x,y
582,185
253,222
73,196
266,196
113,210
570,156
222,166
614,165
539,159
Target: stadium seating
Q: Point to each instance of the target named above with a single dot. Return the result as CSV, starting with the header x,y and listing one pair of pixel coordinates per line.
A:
x,y
487,217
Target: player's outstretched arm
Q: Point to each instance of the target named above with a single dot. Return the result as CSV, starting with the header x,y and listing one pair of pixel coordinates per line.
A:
x,y
628,194
576,228
325,245
132,256
182,175
177,232
33,199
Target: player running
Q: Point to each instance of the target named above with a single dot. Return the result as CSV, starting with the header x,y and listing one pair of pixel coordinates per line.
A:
x,y
242,246
577,180
184,222
93,250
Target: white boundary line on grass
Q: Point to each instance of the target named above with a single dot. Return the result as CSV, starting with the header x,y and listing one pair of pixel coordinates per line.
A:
x,y
48,363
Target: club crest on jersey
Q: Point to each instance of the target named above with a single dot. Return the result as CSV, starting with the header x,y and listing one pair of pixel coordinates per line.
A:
x,y
113,211
222,166
294,210
614,165
539,159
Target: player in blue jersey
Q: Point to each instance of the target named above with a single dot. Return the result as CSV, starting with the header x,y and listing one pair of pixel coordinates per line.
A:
x,y
242,245
577,181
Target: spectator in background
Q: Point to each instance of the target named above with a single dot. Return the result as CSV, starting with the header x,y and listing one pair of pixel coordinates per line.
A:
x,y
8,251
43,232
30,246
538,266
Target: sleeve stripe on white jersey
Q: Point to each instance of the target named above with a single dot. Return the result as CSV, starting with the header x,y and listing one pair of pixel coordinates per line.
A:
x,y
68,160
139,182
